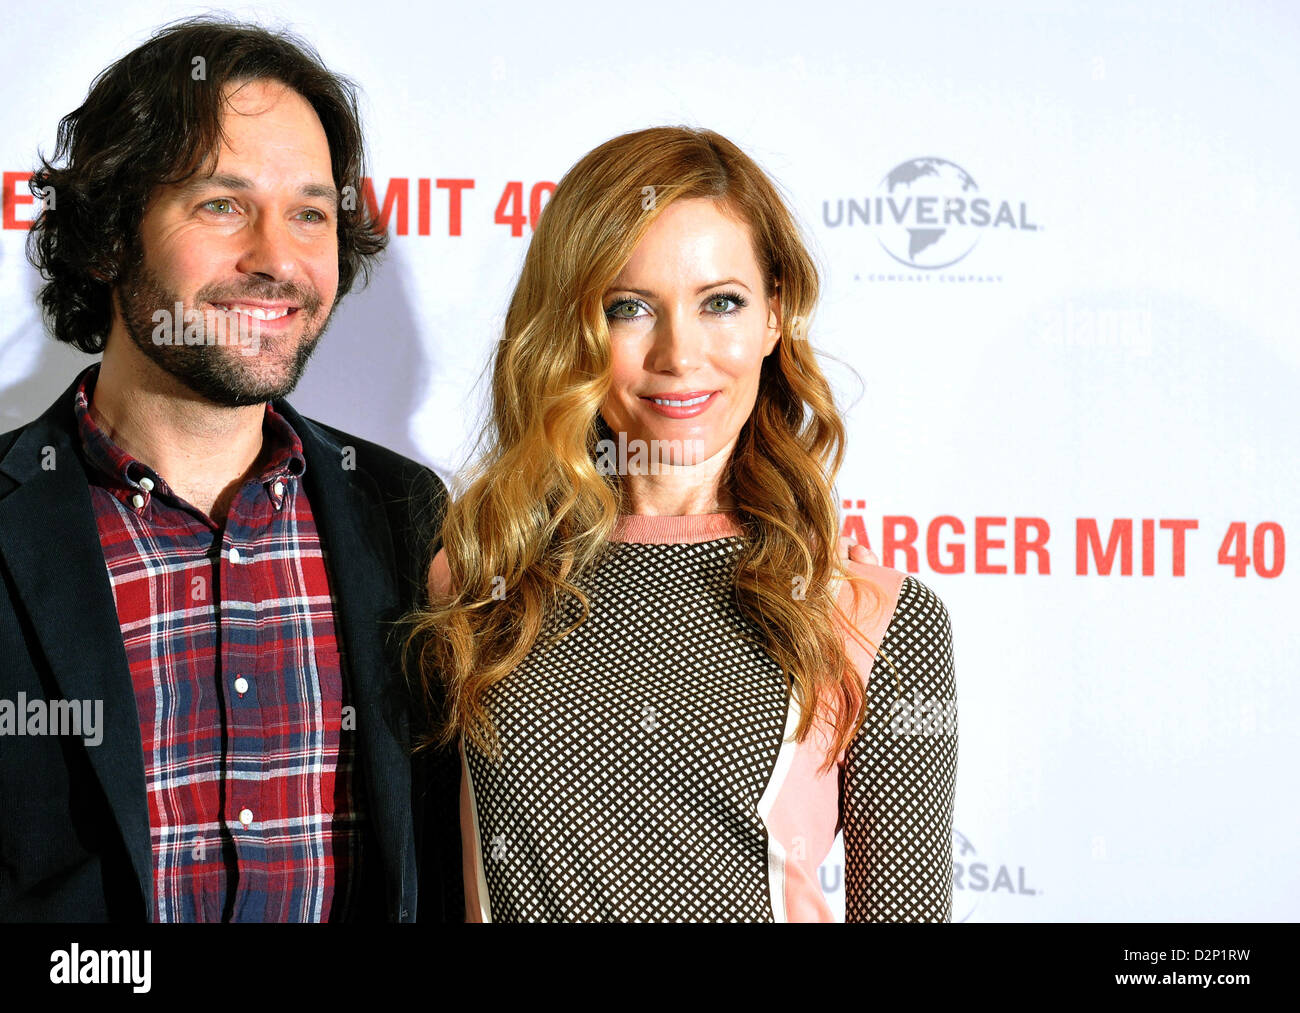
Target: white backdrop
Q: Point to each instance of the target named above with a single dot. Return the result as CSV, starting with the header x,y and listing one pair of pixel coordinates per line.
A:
x,y
1119,346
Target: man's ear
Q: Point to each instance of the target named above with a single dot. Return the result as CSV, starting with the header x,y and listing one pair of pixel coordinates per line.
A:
x,y
773,319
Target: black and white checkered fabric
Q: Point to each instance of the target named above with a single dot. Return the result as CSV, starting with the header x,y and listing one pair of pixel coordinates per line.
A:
x,y
635,752
901,770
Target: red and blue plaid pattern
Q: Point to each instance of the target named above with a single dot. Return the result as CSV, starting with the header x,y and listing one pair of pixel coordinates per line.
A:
x,y
229,631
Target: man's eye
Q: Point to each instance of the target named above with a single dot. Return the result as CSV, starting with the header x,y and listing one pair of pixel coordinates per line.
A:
x,y
312,211
226,205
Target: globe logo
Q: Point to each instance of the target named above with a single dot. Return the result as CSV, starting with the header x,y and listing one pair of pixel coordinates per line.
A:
x,y
928,214
924,213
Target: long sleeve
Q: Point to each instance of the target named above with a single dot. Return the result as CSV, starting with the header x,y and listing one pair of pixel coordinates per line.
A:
x,y
900,771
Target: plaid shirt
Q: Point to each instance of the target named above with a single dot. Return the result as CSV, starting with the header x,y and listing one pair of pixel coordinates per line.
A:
x,y
254,813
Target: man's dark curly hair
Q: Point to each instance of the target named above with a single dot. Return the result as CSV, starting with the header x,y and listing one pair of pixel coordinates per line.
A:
x,y
148,121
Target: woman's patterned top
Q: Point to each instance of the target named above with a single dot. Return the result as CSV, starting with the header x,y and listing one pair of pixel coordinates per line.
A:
x,y
648,771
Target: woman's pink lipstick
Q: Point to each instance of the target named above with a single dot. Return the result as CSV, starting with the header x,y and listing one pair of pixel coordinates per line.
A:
x,y
684,404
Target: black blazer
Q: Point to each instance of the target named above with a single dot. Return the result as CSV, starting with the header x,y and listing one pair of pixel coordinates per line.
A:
x,y
74,820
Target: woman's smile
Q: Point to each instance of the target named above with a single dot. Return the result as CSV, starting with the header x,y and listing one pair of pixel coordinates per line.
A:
x,y
681,405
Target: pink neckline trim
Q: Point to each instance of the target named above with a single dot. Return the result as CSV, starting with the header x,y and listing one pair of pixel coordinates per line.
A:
x,y
682,530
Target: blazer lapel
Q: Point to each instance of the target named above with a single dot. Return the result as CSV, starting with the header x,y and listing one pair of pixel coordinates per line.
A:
x,y
50,544
353,525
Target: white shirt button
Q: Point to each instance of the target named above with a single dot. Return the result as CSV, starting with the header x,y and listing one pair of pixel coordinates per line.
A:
x,y
278,488
234,554
146,484
245,816
137,501
241,685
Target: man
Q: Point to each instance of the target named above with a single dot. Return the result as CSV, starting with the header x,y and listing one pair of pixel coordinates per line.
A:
x,y
202,710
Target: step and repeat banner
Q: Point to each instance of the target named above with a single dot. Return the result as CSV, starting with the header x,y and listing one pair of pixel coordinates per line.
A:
x,y
1072,409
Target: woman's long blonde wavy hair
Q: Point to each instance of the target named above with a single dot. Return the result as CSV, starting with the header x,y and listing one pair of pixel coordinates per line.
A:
x,y
536,514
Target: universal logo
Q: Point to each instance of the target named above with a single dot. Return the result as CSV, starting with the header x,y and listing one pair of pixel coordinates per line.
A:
x,y
928,213
972,879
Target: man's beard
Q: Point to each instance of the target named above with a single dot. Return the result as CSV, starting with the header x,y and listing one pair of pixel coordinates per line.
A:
x,y
222,374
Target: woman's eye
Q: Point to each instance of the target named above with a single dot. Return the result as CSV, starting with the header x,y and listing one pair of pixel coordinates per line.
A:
x,y
619,311
725,302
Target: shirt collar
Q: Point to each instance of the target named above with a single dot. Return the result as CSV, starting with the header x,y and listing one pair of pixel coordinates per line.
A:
x,y
128,477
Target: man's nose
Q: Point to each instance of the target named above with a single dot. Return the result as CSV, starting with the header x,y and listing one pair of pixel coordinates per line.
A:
x,y
271,251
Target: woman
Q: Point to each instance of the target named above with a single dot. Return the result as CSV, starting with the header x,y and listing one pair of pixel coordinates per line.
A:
x,y
655,661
